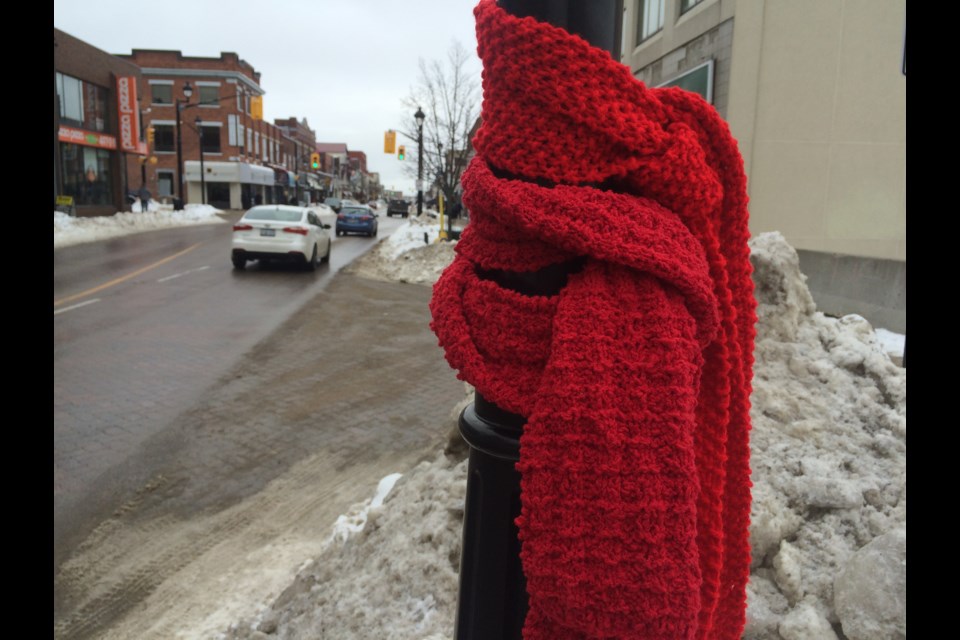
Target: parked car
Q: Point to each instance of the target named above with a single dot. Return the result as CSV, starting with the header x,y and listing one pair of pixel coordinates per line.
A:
x,y
280,232
357,218
399,207
333,203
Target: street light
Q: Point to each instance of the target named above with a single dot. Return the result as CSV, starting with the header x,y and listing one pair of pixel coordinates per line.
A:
x,y
441,178
203,183
187,92
419,117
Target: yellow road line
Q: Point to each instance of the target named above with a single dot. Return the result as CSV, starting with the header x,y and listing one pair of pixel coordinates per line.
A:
x,y
116,281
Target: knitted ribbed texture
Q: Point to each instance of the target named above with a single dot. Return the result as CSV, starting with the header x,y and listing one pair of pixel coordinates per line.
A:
x,y
635,377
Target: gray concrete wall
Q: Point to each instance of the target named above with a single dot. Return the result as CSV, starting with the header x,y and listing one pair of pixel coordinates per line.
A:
x,y
873,288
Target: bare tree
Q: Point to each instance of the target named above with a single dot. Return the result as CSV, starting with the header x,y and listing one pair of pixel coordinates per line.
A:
x,y
449,95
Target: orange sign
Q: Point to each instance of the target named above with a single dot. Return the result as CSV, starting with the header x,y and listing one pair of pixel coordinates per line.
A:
x,y
86,138
129,113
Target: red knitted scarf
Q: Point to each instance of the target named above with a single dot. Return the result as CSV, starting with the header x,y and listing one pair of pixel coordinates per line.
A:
x,y
635,377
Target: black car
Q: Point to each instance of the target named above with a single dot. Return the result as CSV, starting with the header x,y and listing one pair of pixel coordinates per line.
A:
x,y
399,207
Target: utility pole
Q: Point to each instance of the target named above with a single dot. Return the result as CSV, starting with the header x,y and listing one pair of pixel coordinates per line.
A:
x,y
420,117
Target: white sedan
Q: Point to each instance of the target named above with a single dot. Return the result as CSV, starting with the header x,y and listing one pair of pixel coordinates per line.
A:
x,y
280,232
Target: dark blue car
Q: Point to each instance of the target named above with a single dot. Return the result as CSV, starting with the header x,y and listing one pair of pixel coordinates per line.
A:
x,y
355,218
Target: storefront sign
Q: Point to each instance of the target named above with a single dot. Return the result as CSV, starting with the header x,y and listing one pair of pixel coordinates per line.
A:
x,y
129,113
86,138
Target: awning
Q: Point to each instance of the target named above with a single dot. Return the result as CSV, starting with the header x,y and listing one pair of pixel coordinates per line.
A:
x,y
283,177
228,172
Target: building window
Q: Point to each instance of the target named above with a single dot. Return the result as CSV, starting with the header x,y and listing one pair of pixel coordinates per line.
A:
x,y
86,174
686,5
165,183
71,98
698,80
649,18
209,96
211,138
82,104
163,137
161,93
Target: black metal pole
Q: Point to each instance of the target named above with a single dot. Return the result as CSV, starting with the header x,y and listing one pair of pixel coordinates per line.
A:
x,y
143,162
203,183
179,155
420,169
492,601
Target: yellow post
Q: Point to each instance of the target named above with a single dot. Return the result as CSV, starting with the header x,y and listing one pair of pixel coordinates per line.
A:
x,y
443,232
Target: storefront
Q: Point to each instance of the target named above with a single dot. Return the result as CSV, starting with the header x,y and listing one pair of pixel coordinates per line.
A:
x,y
87,167
229,185
284,187
95,124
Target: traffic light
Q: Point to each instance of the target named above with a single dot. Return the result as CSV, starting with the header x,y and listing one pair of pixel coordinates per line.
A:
x,y
315,160
150,134
389,141
402,153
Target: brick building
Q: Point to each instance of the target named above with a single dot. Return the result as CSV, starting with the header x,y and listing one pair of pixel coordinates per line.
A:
x,y
301,141
95,127
245,161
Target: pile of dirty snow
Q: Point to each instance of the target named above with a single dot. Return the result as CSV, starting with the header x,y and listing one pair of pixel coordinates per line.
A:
x,y
411,254
829,447
69,230
828,527
394,579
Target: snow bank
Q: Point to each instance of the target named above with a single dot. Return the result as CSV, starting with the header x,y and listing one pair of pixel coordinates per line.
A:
x,y
829,464
395,579
69,230
404,257
410,235
828,525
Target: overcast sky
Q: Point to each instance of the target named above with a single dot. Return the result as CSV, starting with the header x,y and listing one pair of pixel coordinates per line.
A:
x,y
343,65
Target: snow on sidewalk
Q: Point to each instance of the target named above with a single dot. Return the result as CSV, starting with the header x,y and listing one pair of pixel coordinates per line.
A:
x,y
405,257
69,230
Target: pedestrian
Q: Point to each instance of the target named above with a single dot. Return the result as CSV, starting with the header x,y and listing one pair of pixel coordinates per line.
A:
x,y
144,196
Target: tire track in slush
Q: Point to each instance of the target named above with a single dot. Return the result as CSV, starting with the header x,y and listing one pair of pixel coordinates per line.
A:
x,y
239,531
176,553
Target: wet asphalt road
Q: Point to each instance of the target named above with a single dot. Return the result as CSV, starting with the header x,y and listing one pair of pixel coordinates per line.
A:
x,y
143,325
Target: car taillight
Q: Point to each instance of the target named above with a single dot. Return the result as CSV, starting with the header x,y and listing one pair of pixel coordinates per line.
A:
x,y
365,218
341,217
302,232
242,227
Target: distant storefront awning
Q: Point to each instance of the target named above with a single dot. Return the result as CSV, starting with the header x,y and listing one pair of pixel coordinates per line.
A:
x,y
229,172
283,177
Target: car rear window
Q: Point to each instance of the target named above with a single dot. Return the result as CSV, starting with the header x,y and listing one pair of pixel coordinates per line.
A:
x,y
357,211
274,214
